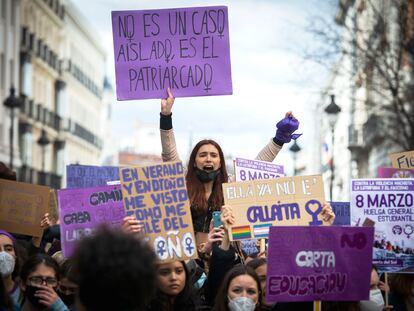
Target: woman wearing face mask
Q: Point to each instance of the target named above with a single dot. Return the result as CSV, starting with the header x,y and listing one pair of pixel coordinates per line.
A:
x,y
39,279
174,289
239,291
206,170
376,299
67,288
9,266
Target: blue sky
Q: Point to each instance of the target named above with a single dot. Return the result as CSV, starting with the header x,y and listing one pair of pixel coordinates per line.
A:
x,y
268,39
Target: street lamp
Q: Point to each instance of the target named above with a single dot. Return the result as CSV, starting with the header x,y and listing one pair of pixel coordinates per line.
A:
x,y
43,141
11,102
332,110
294,149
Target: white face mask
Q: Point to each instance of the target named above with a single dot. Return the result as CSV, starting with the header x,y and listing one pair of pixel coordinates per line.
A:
x,y
375,302
7,263
376,296
241,304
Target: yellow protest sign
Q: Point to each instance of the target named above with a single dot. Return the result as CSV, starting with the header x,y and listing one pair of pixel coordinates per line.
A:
x,y
287,201
402,159
157,196
22,207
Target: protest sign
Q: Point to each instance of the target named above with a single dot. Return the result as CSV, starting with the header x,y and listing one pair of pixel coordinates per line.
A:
x,y
186,49
86,176
82,210
245,169
402,159
22,207
342,213
318,263
390,172
249,246
157,196
389,203
285,201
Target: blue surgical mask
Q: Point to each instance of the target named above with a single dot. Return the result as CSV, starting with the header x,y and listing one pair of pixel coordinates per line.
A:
x,y
200,282
241,304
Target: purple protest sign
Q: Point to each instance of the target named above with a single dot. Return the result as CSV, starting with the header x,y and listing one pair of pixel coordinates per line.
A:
x,y
245,169
186,49
389,205
390,172
318,263
81,210
342,213
86,176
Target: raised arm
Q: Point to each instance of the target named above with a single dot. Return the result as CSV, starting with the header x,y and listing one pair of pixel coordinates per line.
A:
x,y
284,134
169,147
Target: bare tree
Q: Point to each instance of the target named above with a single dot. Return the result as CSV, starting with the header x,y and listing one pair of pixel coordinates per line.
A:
x,y
378,38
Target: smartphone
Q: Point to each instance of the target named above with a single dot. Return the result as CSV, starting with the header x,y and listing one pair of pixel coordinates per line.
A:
x,y
216,219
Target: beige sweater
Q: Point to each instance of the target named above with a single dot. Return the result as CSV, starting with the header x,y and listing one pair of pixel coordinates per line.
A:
x,y
169,148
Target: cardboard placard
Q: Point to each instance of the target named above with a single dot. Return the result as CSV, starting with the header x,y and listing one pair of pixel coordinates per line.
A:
x,y
285,201
389,205
186,49
157,196
342,213
82,210
87,176
402,159
318,263
245,169
22,207
390,172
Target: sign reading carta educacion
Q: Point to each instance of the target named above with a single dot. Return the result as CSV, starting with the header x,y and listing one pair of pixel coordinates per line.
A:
x,y
186,49
286,201
319,263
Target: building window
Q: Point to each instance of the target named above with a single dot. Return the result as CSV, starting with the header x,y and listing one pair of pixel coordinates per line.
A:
x,y
4,9
12,72
13,13
2,71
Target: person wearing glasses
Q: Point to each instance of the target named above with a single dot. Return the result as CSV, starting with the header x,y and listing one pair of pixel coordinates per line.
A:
x,y
39,280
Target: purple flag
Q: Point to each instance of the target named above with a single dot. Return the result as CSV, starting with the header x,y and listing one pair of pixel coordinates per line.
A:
x,y
186,49
319,263
81,210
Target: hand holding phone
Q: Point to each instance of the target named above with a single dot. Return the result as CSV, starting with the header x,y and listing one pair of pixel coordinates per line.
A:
x,y
216,219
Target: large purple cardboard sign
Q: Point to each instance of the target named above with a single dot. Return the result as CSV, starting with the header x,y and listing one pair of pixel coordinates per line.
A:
x,y
85,176
82,210
319,263
186,49
389,205
390,172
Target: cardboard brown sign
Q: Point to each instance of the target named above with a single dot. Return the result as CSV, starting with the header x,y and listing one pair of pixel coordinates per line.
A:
x,y
22,207
286,201
157,196
402,159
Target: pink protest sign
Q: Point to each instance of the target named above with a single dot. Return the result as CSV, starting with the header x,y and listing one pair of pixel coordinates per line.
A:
x,y
186,49
319,263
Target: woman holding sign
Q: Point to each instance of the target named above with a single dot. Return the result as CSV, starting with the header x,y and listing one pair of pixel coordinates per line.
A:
x,y
206,170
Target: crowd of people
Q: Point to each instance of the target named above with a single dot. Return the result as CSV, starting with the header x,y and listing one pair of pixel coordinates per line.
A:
x,y
114,269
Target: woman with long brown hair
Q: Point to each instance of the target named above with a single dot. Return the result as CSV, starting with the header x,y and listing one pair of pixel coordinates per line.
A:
x,y
206,170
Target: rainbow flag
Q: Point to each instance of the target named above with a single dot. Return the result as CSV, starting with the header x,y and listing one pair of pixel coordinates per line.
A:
x,y
261,231
240,233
